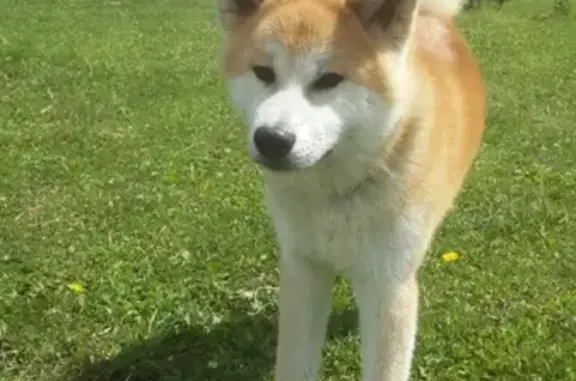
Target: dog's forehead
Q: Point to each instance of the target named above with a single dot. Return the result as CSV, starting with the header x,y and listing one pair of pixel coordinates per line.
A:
x,y
306,63
320,35
302,26
286,31
324,34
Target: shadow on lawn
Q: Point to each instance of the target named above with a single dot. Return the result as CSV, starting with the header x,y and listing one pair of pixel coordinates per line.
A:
x,y
243,348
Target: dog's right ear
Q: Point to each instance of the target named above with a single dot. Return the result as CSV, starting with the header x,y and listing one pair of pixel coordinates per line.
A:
x,y
232,13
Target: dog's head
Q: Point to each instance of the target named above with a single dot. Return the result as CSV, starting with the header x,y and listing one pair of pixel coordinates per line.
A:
x,y
315,78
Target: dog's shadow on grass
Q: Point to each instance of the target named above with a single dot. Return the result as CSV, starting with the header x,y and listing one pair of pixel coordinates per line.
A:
x,y
241,348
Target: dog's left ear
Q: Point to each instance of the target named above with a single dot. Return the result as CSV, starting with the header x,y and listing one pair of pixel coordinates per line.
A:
x,y
392,18
232,13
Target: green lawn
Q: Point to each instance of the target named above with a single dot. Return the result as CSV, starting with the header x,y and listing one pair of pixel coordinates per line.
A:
x,y
123,169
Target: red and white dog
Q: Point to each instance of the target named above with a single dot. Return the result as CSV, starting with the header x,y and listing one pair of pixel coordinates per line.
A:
x,y
365,116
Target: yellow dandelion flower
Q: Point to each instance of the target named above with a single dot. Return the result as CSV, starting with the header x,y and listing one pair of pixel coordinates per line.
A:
x,y
76,287
450,256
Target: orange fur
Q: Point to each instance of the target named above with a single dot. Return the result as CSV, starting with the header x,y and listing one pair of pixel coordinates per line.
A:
x,y
440,137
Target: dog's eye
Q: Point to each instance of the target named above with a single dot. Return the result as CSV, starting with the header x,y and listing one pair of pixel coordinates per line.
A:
x,y
327,81
265,74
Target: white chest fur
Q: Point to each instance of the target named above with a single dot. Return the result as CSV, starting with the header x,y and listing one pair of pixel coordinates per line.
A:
x,y
358,231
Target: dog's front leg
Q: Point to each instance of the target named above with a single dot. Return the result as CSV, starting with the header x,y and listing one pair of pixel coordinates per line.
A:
x,y
305,302
388,318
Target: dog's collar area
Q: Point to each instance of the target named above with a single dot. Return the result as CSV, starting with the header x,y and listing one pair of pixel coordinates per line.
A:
x,y
358,189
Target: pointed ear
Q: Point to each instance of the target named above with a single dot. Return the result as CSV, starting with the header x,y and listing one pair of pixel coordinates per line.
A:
x,y
232,13
390,18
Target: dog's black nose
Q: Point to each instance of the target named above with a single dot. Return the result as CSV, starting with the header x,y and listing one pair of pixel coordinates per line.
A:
x,y
273,143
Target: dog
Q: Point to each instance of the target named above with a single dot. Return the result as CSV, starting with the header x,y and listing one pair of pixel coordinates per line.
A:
x,y
365,117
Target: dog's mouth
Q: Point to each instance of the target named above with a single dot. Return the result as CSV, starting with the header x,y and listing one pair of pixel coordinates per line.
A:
x,y
283,165
286,165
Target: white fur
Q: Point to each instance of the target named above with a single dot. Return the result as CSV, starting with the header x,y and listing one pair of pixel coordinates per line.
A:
x,y
351,234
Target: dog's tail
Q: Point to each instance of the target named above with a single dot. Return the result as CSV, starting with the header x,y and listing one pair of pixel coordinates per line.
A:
x,y
442,8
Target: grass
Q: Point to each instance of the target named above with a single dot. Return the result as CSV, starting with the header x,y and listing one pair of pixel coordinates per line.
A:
x,y
123,169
